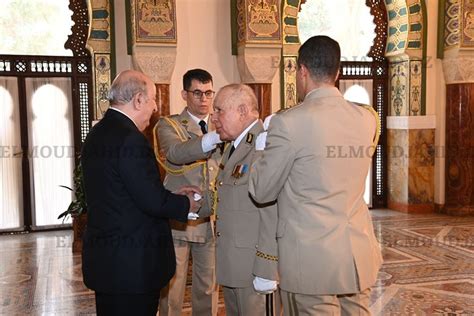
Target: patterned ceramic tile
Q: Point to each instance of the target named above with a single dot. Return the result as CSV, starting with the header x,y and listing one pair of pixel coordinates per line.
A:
x,y
399,86
397,27
415,87
467,32
451,20
415,34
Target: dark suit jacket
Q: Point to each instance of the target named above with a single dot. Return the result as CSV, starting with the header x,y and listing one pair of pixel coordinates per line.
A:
x,y
127,245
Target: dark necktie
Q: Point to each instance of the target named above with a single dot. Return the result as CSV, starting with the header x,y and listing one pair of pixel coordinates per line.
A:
x,y
203,125
231,150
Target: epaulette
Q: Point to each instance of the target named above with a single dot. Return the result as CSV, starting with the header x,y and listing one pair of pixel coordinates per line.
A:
x,y
170,117
377,123
281,111
173,117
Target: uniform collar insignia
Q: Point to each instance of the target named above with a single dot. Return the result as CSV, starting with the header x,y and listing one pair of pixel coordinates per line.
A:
x,y
184,121
249,138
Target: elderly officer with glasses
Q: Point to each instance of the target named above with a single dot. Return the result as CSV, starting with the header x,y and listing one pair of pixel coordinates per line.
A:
x,y
188,153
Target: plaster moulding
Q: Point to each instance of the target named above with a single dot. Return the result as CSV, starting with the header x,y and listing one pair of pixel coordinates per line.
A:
x,y
411,122
155,61
258,64
459,69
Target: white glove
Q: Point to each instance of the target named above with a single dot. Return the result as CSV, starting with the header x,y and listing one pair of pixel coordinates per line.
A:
x,y
266,123
260,141
191,215
209,141
264,286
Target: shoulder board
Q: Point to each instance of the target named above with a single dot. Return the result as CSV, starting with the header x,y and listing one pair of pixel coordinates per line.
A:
x,y
358,104
173,117
281,111
170,117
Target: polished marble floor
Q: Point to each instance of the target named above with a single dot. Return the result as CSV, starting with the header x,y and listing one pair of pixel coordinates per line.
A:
x,y
428,270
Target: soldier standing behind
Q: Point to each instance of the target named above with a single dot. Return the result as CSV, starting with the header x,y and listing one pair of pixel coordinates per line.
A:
x,y
188,144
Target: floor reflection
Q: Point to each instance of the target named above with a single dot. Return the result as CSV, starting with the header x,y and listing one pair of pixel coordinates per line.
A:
x,y
428,270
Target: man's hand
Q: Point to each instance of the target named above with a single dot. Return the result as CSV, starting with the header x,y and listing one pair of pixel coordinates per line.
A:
x,y
264,286
190,191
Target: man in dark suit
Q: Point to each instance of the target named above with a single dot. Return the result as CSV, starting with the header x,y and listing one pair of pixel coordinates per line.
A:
x,y
128,253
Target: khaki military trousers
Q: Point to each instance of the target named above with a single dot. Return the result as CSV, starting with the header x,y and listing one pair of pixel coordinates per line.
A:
x,y
295,304
243,301
203,290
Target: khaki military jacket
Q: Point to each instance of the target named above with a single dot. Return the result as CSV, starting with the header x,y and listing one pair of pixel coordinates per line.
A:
x,y
243,229
315,163
180,146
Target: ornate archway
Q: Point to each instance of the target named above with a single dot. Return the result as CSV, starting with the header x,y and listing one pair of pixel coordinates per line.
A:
x,y
398,73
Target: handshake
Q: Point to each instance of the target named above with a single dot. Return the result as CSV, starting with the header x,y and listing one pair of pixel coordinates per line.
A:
x,y
194,195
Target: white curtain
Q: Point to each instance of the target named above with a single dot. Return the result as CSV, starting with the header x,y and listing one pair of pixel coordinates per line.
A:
x,y
51,147
11,197
360,91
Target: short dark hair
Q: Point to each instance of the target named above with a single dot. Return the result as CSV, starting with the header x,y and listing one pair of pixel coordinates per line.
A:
x,y
321,55
196,74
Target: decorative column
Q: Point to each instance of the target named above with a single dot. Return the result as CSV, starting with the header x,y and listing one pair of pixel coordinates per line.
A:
x,y
291,45
258,46
154,44
458,65
99,43
410,133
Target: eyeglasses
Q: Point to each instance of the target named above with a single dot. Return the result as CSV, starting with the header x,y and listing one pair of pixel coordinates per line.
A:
x,y
198,93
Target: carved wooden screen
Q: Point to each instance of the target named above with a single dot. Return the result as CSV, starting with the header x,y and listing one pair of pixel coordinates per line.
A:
x,y
78,68
377,71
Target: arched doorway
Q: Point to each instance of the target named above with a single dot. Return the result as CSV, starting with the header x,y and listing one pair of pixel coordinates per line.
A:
x,y
46,85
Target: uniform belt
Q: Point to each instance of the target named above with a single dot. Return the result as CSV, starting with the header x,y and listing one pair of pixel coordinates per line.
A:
x,y
200,220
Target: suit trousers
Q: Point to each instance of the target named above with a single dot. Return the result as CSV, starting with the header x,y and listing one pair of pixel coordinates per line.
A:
x,y
243,301
126,304
204,294
346,305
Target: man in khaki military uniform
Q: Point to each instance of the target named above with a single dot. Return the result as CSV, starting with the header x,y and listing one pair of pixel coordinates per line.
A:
x,y
191,158
246,242
328,254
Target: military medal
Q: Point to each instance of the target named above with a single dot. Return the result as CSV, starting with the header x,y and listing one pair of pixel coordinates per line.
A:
x,y
240,170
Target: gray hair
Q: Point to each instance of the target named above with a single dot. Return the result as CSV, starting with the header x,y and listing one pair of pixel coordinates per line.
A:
x,y
125,87
240,92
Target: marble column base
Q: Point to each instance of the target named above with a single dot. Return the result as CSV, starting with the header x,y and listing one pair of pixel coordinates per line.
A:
x,y
411,154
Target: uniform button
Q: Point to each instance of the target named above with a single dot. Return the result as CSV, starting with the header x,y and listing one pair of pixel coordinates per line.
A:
x,y
217,217
220,183
218,234
235,182
218,200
